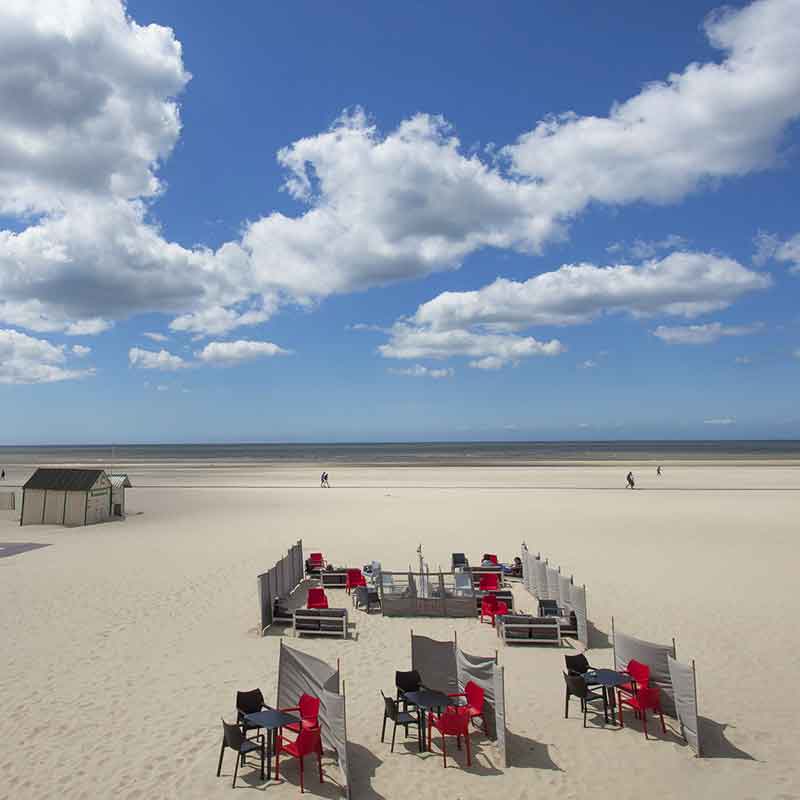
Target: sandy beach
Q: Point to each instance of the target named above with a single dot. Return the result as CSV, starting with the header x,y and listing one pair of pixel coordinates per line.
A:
x,y
124,643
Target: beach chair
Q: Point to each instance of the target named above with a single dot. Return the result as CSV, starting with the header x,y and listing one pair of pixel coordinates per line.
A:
x,y
489,583
233,738
576,687
491,607
450,723
458,561
393,712
577,665
307,742
646,698
354,579
249,703
315,563
316,598
473,709
640,677
308,708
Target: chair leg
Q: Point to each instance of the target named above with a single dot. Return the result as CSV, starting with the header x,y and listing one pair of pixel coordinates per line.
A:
x,y
644,722
319,762
277,762
444,751
235,772
302,786
619,709
394,732
585,710
663,726
383,729
566,706
263,756
221,753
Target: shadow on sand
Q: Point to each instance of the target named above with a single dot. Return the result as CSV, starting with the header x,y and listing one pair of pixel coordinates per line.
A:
x,y
714,743
525,752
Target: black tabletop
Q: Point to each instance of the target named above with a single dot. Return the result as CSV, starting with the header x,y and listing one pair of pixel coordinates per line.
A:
x,y
606,677
270,718
429,699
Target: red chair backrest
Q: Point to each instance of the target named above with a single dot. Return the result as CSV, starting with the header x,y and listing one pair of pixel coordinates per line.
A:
x,y
316,596
639,672
475,695
453,723
501,608
315,558
489,604
307,741
490,557
648,697
309,708
354,576
488,583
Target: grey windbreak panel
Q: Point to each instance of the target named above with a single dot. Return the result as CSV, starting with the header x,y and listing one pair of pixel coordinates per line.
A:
x,y
684,690
655,656
552,583
265,601
526,570
540,570
565,592
481,670
577,598
300,673
436,663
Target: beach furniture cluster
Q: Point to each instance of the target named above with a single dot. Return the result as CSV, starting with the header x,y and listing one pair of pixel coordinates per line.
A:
x,y
308,720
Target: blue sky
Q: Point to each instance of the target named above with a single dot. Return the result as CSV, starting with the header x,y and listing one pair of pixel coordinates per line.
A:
x,y
321,260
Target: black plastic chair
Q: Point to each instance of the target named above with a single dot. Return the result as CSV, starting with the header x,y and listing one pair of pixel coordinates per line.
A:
x,y
249,703
233,738
576,687
577,665
549,608
407,682
392,711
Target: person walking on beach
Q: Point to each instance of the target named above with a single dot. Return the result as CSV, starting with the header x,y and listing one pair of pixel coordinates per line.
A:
x,y
658,470
323,481
2,475
630,482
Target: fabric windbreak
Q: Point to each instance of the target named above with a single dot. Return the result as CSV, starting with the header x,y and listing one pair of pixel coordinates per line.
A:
x,y
577,599
480,670
526,571
7,501
436,663
655,656
300,673
552,583
500,713
565,592
265,601
337,730
685,695
540,570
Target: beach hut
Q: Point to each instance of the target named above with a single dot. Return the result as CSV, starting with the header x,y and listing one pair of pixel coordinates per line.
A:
x,y
119,483
66,496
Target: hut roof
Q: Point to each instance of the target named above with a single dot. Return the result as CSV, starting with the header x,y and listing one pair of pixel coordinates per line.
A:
x,y
63,479
120,480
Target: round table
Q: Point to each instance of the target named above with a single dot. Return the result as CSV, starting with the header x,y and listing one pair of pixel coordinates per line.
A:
x,y
609,679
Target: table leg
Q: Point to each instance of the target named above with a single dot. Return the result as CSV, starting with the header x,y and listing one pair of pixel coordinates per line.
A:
x,y
423,742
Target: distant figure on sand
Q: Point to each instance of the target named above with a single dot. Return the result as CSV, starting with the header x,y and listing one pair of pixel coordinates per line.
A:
x,y
2,475
658,470
629,479
323,481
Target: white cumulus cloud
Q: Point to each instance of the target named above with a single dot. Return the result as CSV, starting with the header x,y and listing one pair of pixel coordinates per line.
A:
x,y
88,112
161,360
703,334
419,371
225,353
720,421
25,359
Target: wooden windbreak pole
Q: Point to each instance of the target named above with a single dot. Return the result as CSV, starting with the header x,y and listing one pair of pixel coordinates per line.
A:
x,y
696,709
613,644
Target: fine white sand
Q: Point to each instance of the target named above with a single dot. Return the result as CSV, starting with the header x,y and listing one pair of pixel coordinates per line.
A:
x,y
123,644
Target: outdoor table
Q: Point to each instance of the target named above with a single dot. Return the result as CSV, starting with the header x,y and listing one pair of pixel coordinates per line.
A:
x,y
608,679
271,719
426,700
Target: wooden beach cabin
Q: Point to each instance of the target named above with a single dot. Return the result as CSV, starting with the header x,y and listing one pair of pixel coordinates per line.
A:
x,y
66,496
119,483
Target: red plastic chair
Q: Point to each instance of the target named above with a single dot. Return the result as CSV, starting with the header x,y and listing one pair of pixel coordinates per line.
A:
x,y
316,598
473,710
451,723
354,579
489,583
490,557
305,744
644,699
640,673
491,607
315,562
308,708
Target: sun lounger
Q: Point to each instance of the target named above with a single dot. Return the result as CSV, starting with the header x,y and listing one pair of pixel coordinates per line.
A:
x,y
521,629
321,622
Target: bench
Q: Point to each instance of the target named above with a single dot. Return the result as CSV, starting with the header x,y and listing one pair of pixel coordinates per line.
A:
x,y
321,622
523,629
